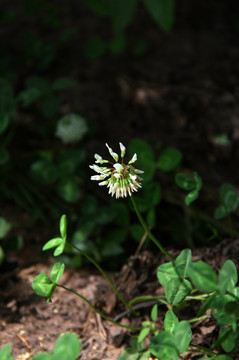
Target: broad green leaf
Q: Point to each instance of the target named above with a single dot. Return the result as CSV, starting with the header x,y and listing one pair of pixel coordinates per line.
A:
x,y
121,13
182,335
63,83
4,121
203,276
162,11
183,262
63,226
67,347
223,357
60,248
52,243
225,310
227,277
170,321
163,346
185,182
112,249
42,356
145,159
57,271
154,312
192,196
5,227
43,285
5,352
169,159
176,270
151,217
176,290
143,333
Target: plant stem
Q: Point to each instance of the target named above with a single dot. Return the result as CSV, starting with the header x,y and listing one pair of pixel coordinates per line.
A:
x,y
98,311
104,274
146,228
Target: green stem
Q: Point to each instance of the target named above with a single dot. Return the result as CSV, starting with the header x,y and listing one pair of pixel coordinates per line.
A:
x,y
104,274
146,228
202,350
98,311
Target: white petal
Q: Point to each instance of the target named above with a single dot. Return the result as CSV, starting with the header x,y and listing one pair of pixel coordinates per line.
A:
x,y
122,149
134,158
113,154
118,167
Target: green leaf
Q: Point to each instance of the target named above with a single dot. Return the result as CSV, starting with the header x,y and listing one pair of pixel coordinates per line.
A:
x,y
67,347
5,352
172,276
193,195
52,243
5,227
122,214
176,290
42,356
121,13
4,121
203,276
170,321
2,255
169,159
143,333
39,83
227,277
145,159
163,346
223,357
63,226
149,196
185,181
154,312
182,336
162,11
57,271
63,83
43,285
227,339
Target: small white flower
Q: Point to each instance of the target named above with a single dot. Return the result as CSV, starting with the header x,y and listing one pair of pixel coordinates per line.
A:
x,y
71,128
123,179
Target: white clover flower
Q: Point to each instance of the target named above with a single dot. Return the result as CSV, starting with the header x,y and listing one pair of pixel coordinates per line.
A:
x,y
71,128
123,179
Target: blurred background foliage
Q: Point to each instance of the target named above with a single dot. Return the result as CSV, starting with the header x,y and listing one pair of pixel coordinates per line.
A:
x,y
48,135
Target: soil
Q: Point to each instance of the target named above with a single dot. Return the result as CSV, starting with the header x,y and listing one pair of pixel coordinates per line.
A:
x,y
182,92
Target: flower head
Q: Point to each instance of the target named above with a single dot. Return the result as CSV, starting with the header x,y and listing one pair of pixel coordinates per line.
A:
x,y
71,128
121,179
